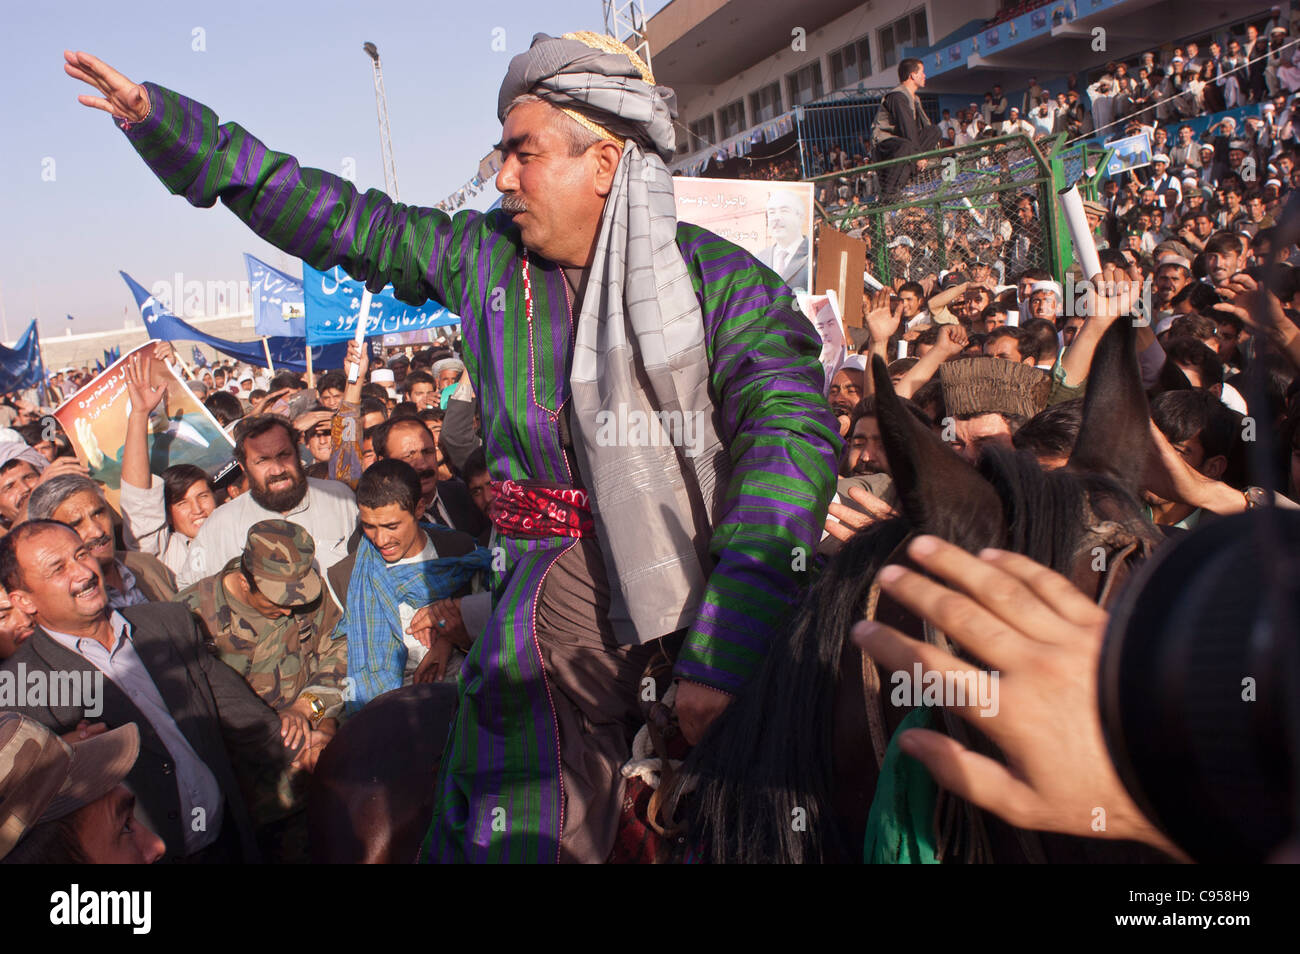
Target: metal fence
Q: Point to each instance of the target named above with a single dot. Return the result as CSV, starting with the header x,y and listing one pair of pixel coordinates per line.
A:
x,y
844,122
960,204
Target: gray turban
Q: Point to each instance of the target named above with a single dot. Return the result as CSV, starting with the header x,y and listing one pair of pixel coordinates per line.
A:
x,y
447,364
593,79
11,449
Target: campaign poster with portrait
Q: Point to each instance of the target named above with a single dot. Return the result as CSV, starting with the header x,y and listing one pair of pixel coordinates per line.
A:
x,y
1131,152
181,429
824,312
773,221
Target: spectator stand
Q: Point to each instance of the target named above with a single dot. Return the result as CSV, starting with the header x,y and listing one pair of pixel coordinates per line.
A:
x,y
963,205
844,120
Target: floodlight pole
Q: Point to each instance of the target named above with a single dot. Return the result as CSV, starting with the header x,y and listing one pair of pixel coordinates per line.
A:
x,y
625,21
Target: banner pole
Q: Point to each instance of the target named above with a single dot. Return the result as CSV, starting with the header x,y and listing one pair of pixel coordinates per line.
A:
x,y
311,377
266,349
40,350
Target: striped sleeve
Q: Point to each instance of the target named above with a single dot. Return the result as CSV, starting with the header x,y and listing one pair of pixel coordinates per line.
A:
x,y
767,376
309,213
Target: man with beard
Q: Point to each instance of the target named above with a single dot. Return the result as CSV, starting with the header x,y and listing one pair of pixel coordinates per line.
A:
x,y
446,372
130,577
845,392
864,453
266,448
1173,273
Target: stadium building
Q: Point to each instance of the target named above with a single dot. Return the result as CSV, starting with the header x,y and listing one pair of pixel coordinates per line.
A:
x,y
762,78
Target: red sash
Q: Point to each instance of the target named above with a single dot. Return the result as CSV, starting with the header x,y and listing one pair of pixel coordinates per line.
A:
x,y
537,509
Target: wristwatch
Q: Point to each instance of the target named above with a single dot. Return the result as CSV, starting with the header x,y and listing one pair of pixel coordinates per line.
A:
x,y
317,708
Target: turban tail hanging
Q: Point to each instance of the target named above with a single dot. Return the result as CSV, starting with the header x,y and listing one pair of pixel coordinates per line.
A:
x,y
639,353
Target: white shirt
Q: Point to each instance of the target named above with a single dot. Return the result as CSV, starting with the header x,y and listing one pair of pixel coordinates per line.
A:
x,y
196,786
474,612
328,512
144,526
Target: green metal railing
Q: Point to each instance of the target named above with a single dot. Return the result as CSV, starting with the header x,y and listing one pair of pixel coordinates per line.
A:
x,y
963,191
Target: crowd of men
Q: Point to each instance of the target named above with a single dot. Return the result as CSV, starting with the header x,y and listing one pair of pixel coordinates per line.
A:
x,y
256,563
358,541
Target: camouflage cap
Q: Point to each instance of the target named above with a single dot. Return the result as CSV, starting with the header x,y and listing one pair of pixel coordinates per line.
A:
x,y
43,778
279,556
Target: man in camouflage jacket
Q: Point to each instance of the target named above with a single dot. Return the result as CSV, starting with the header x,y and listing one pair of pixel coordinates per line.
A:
x,y
273,622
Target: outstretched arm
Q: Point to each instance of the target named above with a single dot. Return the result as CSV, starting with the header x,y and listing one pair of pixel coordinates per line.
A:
x,y
309,213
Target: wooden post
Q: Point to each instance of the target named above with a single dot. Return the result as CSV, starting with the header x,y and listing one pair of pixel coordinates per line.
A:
x,y
311,377
266,350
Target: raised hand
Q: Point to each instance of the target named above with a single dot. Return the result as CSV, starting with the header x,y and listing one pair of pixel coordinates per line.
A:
x,y
122,98
952,339
1042,637
880,320
144,395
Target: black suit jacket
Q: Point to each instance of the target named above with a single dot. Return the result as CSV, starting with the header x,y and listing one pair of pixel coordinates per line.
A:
x,y
212,704
465,516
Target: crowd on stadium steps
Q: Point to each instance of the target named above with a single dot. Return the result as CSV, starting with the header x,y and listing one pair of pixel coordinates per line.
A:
x,y
1150,93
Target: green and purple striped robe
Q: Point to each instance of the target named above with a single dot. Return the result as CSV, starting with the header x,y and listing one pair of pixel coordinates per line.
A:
x,y
501,793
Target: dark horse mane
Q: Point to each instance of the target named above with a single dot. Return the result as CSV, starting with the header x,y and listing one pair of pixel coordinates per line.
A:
x,y
771,757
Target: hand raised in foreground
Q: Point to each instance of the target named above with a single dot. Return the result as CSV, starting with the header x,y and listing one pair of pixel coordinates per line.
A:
x,y
122,98
1042,638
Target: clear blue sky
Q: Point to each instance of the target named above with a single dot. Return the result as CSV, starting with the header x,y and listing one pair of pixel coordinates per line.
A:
x,y
291,72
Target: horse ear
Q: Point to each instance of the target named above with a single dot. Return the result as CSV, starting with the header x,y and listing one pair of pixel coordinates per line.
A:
x,y
940,493
1113,435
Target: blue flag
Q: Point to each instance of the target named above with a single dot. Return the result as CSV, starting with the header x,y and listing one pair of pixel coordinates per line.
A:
x,y
277,300
287,353
334,302
199,359
20,366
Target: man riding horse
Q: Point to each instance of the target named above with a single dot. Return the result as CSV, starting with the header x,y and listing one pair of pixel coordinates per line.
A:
x,y
584,302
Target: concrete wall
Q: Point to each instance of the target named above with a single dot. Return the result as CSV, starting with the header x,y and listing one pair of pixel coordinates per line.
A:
x,y
943,16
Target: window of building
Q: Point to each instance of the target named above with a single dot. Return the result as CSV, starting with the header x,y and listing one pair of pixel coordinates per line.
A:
x,y
765,103
702,134
910,30
851,64
805,85
733,118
